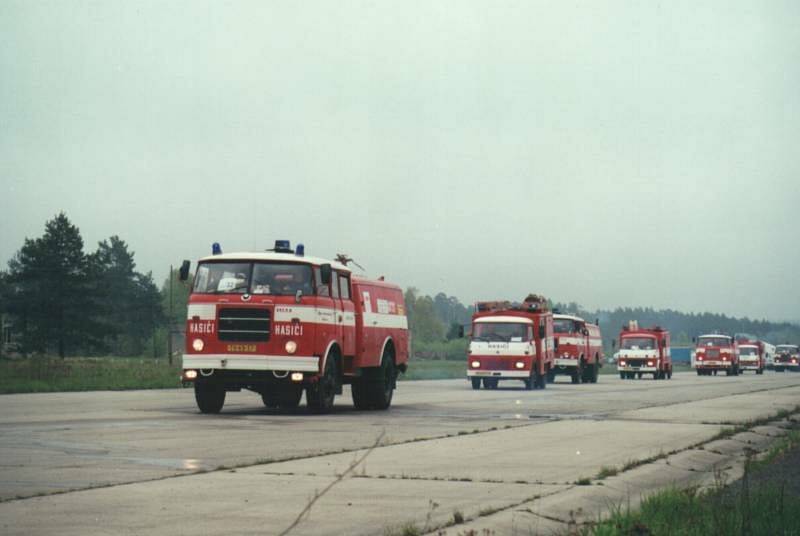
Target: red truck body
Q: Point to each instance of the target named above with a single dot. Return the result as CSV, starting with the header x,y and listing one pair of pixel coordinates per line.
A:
x,y
787,357
751,356
280,323
511,342
578,349
715,352
644,351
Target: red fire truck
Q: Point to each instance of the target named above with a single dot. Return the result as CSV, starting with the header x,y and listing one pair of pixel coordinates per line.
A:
x,y
511,341
751,355
715,352
280,323
787,357
578,349
643,351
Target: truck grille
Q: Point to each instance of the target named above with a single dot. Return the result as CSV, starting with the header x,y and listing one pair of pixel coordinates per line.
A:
x,y
245,325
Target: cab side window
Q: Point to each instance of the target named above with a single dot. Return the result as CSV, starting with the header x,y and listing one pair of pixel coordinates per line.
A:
x,y
322,290
344,287
335,283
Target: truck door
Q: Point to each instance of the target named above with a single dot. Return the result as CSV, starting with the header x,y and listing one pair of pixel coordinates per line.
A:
x,y
345,316
323,314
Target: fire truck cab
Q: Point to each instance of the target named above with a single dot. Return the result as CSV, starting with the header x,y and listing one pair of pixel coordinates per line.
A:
x,y
280,323
751,356
644,351
511,341
715,352
578,349
787,357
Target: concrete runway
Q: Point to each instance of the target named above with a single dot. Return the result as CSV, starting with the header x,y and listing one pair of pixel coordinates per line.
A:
x,y
146,462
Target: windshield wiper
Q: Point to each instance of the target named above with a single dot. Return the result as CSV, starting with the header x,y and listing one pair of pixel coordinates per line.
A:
x,y
229,290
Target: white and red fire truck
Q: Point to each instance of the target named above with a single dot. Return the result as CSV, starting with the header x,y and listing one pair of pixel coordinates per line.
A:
x,y
511,341
787,357
280,323
751,355
578,349
643,351
715,352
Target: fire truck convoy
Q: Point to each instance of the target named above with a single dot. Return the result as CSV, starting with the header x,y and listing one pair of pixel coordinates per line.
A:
x,y
751,356
786,358
715,352
643,351
578,349
511,341
280,323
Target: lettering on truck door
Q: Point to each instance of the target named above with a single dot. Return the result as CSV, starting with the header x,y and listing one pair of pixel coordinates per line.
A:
x,y
323,314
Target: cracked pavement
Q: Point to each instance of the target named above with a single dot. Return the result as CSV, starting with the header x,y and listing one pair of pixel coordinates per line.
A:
x,y
508,460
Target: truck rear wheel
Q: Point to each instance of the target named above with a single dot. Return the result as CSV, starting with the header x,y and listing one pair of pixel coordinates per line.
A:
x,y
539,380
210,397
622,375
476,383
595,372
320,395
375,388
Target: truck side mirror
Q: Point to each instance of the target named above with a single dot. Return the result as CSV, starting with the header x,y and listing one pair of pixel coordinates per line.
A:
x,y
460,332
694,340
183,273
613,343
325,273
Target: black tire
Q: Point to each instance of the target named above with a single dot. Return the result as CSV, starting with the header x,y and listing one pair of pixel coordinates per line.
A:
x,y
577,374
622,376
639,375
669,373
320,395
760,371
539,380
530,382
490,383
595,372
551,376
210,397
476,383
290,397
379,383
270,399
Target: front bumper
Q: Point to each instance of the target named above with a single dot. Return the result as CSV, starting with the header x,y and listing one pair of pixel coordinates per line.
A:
x,y
629,368
749,365
251,362
709,364
565,363
787,365
498,373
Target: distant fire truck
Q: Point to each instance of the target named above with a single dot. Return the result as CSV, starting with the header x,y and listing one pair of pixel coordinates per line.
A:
x,y
578,349
751,355
786,358
715,352
511,341
644,351
280,323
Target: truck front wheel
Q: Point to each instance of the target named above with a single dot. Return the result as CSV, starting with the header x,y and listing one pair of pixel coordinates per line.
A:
x,y
210,397
476,383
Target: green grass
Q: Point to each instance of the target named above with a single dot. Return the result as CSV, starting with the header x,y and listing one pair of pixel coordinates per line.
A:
x,y
435,369
687,512
46,374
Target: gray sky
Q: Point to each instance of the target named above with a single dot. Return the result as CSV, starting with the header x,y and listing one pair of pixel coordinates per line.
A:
x,y
609,153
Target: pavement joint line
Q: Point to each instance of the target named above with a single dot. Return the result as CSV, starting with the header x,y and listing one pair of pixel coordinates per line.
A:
x,y
258,462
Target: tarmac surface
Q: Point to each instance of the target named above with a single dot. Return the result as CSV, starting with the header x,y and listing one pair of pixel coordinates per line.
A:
x,y
507,460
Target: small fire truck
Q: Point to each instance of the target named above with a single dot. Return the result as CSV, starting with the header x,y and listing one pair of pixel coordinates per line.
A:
x,y
786,358
643,351
280,323
578,349
751,355
511,341
715,352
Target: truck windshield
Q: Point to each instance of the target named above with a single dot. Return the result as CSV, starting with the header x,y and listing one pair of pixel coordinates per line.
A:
x,y
501,331
748,351
276,279
638,343
786,349
565,325
713,341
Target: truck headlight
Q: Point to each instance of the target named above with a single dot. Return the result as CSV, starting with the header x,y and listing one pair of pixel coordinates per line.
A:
x,y
198,345
475,364
190,374
519,364
291,347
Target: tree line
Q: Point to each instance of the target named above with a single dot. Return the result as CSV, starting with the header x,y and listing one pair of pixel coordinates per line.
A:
x,y
63,300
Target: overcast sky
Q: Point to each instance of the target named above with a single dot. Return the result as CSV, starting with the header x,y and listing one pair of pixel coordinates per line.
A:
x,y
608,153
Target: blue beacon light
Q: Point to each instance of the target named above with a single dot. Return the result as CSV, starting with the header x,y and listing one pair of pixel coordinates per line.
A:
x,y
216,249
300,250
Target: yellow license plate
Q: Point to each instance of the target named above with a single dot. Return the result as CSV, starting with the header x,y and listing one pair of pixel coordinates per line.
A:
x,y
241,347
